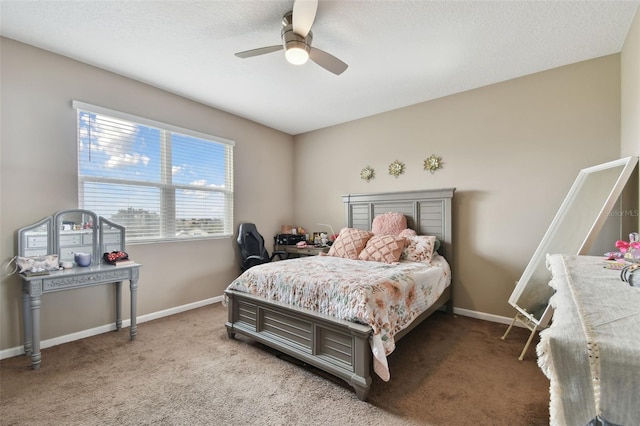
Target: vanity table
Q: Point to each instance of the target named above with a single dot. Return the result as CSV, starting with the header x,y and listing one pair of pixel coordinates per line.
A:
x,y
67,233
33,287
591,351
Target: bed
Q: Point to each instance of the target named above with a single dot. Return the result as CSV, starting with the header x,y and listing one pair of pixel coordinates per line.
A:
x,y
348,349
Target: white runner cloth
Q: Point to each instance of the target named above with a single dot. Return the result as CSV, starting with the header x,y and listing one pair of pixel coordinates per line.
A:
x,y
591,351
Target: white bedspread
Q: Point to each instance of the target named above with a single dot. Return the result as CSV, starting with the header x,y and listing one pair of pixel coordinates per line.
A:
x,y
386,297
591,351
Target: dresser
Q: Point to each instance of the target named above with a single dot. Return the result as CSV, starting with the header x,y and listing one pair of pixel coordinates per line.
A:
x,y
304,251
591,351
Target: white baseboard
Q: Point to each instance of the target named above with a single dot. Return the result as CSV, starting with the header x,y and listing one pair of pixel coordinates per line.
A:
x,y
11,352
19,350
484,316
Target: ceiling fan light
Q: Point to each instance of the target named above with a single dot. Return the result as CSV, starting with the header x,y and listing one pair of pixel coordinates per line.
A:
x,y
296,47
297,55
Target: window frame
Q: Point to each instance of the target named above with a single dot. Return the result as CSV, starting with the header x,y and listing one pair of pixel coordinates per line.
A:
x,y
168,189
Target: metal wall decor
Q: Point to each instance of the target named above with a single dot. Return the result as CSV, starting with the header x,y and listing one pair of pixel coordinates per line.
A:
x,y
396,168
433,163
367,173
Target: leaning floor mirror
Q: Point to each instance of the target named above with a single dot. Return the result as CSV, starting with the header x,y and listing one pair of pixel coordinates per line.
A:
x,y
574,229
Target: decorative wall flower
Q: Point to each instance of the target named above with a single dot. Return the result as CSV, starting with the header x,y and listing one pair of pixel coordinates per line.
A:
x,y
396,168
367,173
433,163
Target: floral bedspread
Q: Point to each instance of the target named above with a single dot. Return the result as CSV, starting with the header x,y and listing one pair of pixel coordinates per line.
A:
x,y
388,297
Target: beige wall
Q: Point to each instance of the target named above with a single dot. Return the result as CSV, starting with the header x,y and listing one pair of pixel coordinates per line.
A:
x,y
630,90
630,98
512,150
38,178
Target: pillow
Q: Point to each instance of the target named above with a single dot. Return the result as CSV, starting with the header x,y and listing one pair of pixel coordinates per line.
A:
x,y
41,263
419,248
389,224
349,243
411,233
407,233
383,248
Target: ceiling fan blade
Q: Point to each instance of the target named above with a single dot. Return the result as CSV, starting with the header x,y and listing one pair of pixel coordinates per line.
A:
x,y
327,61
304,13
259,51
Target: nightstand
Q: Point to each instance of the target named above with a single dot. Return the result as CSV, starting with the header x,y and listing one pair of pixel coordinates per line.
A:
x,y
306,251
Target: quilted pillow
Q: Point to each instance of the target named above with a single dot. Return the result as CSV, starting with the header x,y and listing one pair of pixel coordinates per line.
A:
x,y
349,243
383,248
419,248
389,224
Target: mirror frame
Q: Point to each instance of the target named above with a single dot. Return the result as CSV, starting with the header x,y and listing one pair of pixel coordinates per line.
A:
x,y
23,244
106,236
57,239
579,238
103,223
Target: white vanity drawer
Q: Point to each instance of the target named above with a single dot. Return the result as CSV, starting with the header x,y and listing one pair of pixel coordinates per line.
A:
x,y
37,242
36,252
87,239
70,240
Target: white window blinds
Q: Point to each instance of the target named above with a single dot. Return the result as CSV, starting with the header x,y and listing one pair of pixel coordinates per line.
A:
x,y
160,181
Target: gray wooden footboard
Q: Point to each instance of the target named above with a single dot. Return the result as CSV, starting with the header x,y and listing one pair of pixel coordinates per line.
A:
x,y
338,347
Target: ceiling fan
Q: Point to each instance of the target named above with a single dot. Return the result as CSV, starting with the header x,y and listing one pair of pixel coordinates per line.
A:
x,y
296,39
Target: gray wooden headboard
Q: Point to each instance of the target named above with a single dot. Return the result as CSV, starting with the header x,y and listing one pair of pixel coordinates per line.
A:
x,y
428,212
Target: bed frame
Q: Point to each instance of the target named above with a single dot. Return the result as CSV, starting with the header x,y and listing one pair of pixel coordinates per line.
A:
x,y
336,346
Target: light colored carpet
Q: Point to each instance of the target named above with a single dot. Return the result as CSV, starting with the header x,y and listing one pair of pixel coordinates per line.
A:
x,y
184,370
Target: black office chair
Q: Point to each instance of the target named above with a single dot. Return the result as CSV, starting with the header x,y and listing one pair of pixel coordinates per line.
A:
x,y
252,247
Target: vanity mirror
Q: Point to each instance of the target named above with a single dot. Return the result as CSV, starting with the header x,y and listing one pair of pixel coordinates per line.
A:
x,y
76,232
573,230
112,236
36,239
70,232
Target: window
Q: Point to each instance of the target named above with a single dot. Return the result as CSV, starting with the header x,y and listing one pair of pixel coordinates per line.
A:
x,y
159,181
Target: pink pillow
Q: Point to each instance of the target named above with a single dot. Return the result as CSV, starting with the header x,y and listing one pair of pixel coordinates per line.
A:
x,y
419,248
383,248
389,224
407,233
349,243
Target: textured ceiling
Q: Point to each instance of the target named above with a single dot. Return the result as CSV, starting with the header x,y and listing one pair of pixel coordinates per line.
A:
x,y
399,52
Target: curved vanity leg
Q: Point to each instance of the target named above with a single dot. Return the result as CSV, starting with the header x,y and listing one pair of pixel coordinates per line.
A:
x,y
36,356
133,286
26,320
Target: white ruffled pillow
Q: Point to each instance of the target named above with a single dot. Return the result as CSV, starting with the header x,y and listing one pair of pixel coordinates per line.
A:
x,y
419,248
